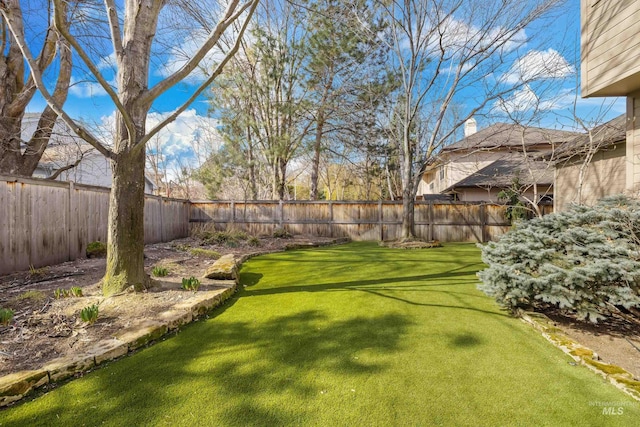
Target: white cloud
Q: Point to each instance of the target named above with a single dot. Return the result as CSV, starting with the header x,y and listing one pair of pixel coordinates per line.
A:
x,y
87,88
186,142
521,100
179,55
538,65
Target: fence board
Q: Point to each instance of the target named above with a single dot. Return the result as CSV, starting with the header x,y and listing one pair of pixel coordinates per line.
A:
x,y
448,222
44,222
47,222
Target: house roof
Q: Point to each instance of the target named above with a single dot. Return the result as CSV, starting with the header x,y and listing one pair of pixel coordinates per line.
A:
x,y
510,135
500,174
603,136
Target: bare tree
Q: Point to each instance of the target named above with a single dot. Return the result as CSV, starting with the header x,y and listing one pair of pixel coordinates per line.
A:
x,y
442,48
133,29
18,157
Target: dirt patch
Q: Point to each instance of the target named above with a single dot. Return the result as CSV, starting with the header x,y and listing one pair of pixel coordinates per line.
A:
x,y
615,342
45,327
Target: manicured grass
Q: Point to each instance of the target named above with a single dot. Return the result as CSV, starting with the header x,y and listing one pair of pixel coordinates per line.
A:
x,y
355,335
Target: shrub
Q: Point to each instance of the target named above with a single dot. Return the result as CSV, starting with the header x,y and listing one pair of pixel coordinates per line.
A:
x,y
75,291
281,233
35,272
60,293
159,271
96,250
585,261
190,284
89,314
217,237
35,296
205,253
6,316
253,241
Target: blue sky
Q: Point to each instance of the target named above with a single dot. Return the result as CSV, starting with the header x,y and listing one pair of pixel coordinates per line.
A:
x,y
89,102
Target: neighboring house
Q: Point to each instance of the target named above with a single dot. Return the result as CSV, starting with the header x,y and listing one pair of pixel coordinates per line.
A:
x,y
592,166
610,66
69,158
488,161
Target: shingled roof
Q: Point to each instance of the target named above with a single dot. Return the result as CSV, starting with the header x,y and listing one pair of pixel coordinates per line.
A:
x,y
510,135
500,174
603,136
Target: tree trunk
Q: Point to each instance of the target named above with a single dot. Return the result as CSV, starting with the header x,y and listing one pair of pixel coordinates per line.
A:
x,y
317,147
408,196
10,144
282,185
408,204
125,244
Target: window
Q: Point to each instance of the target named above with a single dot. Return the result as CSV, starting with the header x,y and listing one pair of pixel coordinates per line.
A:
x,y
441,173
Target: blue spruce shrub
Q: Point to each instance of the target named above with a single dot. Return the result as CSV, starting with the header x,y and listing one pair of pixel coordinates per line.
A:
x,y
585,261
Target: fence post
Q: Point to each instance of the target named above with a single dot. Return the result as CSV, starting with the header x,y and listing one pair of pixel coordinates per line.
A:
x,y
72,222
233,212
483,222
281,213
163,233
330,219
430,215
380,220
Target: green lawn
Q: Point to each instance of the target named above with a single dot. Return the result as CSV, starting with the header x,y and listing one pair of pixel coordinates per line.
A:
x,y
353,335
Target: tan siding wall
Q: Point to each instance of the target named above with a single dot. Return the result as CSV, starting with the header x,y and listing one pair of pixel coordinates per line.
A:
x,y
610,47
633,144
605,176
491,196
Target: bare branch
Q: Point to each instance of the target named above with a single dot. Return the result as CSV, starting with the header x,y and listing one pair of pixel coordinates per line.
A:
x,y
114,26
204,85
64,31
232,13
16,29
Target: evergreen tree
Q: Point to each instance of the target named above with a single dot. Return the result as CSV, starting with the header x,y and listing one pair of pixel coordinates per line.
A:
x,y
585,261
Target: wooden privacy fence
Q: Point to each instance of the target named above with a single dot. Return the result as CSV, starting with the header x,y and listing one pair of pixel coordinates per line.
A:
x,y
446,222
46,222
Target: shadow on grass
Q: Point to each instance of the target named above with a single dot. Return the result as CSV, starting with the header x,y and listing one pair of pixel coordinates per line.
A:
x,y
224,372
465,339
387,288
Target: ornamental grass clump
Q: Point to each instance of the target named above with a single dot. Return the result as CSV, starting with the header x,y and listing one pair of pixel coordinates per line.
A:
x,y
585,261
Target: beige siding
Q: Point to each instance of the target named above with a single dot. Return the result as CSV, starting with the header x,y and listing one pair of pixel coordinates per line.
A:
x,y
610,47
491,195
604,176
633,144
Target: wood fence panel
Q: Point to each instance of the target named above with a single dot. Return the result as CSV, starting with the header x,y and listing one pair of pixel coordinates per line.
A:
x,y
8,216
359,220
175,219
153,220
47,222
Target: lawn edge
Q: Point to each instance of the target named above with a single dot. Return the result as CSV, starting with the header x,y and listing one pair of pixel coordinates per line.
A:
x,y
616,375
15,386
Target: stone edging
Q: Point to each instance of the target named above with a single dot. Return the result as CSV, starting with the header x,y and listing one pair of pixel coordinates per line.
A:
x,y
614,374
14,387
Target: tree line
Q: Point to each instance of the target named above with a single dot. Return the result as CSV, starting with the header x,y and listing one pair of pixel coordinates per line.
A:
x,y
378,85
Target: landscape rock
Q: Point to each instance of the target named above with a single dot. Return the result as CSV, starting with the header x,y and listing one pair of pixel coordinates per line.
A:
x,y
66,367
225,268
139,335
13,387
